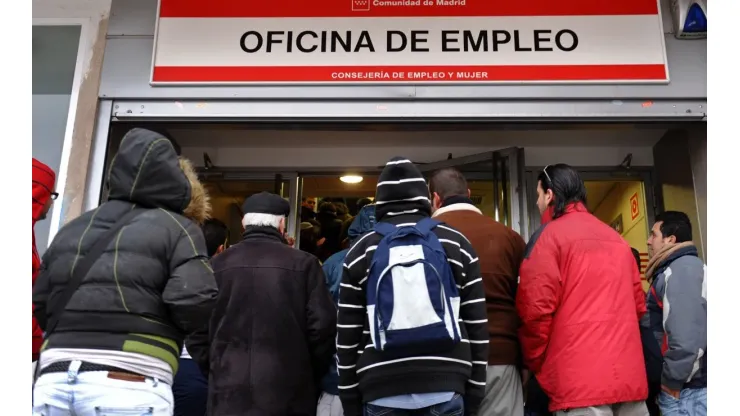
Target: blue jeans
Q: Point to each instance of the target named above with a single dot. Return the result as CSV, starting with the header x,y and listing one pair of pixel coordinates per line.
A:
x,y
692,402
454,407
94,394
190,390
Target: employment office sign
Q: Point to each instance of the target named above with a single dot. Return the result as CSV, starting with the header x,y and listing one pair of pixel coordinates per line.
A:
x,y
408,41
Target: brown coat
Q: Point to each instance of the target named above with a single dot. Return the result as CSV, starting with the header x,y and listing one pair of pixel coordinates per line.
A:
x,y
501,251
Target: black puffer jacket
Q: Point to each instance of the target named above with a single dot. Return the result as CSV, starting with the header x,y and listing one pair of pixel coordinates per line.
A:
x,y
153,284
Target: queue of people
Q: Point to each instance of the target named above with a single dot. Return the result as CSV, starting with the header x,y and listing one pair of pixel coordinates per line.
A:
x,y
421,306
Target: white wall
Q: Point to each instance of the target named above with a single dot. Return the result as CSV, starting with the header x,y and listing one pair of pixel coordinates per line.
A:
x,y
91,15
48,126
54,53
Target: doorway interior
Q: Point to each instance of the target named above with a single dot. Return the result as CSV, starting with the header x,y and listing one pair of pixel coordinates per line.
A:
x,y
309,159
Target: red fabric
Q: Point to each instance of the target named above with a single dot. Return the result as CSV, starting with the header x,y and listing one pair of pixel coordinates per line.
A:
x,y
659,301
42,186
547,215
580,298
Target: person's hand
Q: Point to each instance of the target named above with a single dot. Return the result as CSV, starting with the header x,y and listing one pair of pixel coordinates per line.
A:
x,y
290,240
674,393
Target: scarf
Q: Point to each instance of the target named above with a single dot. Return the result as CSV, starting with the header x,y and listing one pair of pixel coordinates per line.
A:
x,y
666,252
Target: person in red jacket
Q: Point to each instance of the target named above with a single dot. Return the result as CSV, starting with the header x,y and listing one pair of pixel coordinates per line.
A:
x,y
579,299
42,197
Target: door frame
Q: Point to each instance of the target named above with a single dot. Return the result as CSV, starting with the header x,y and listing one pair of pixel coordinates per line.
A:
x,y
236,174
514,176
644,174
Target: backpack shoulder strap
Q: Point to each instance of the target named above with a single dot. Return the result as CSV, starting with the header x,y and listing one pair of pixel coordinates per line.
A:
x,y
426,225
84,265
384,228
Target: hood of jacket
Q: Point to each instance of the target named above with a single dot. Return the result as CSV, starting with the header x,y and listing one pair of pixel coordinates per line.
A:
x,y
42,185
147,171
363,222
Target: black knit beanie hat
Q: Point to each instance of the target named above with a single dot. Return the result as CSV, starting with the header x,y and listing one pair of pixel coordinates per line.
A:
x,y
401,189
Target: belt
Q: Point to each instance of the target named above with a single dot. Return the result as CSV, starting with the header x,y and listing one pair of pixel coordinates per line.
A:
x,y
63,367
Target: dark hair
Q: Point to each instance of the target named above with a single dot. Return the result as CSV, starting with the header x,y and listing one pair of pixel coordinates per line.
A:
x,y
675,223
448,182
216,234
636,254
567,186
341,208
327,207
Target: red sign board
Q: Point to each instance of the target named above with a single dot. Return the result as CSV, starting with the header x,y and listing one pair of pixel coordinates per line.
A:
x,y
408,41
634,206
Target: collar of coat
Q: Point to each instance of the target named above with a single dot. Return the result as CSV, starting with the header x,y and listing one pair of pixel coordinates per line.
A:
x,y
456,207
263,232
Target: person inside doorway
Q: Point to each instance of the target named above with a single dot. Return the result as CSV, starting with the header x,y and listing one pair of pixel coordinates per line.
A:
x,y
329,403
308,209
678,276
331,230
42,198
310,237
579,298
190,388
501,251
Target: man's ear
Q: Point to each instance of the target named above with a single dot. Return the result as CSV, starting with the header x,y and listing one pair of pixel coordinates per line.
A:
x,y
220,249
436,200
671,239
468,193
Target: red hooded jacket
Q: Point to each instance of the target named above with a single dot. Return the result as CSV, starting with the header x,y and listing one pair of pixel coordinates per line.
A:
x,y
580,298
41,187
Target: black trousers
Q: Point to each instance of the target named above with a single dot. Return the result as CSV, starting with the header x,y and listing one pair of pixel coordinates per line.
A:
x,y
190,390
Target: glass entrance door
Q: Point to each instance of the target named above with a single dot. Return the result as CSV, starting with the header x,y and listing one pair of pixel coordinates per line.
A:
x,y
496,182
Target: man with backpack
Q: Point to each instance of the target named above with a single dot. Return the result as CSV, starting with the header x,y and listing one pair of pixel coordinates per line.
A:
x,y
412,326
677,317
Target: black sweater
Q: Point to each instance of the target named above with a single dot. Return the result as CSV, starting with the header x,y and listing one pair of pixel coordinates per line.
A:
x,y
366,374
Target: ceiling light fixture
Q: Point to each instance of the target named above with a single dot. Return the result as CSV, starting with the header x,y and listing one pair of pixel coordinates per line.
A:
x,y
351,179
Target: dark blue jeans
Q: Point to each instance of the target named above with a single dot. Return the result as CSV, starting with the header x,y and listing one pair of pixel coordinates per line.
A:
x,y
454,407
190,390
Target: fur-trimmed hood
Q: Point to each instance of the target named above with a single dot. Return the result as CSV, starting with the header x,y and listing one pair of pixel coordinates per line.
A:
x,y
199,208
147,171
